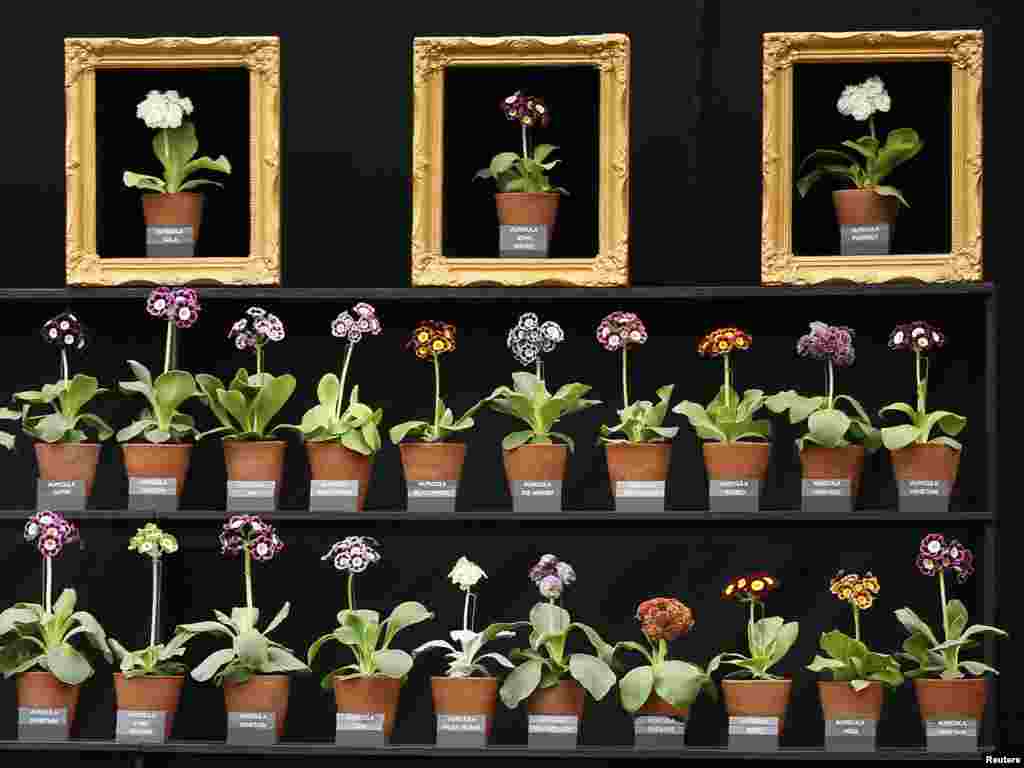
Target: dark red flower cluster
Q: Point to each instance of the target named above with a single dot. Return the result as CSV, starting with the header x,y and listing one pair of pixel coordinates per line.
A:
x,y
178,305
620,329
527,110
935,555
750,587
432,337
51,532
250,532
722,341
664,618
828,342
918,336
65,331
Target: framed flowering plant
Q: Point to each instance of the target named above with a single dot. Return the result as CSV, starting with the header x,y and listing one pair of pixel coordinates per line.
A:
x,y
39,636
827,424
930,656
362,630
769,638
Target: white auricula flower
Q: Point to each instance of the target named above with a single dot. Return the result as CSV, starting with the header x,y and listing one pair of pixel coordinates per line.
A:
x,y
163,110
466,574
862,101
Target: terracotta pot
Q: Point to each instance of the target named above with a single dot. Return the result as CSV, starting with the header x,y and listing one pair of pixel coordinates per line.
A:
x,y
175,209
864,206
260,693
565,698
655,705
536,462
166,460
432,461
528,208
255,460
840,702
757,698
150,694
44,691
368,696
926,461
846,463
333,461
69,461
465,696
962,699
737,461
637,461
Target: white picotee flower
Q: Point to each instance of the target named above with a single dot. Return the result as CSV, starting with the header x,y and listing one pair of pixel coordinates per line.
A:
x,y
466,574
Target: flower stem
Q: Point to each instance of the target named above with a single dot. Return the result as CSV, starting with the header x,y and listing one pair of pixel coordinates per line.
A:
x,y
344,375
856,621
625,377
437,395
871,126
750,628
259,359
540,370
922,382
526,152
351,591
248,579
465,612
153,611
48,580
831,384
168,345
728,383
662,650
942,595
64,366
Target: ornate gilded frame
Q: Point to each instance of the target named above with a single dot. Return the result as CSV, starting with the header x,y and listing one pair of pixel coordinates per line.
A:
x,y
431,56
963,49
259,55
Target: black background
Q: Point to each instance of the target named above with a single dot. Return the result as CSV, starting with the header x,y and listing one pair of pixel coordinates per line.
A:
x,y
695,165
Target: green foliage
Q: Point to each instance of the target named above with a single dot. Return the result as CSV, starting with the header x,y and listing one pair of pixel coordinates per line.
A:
x,y
770,639
67,423
464,661
444,426
851,660
521,173
176,149
921,426
155,661
642,421
677,682
356,427
246,409
531,402
827,426
932,658
728,418
161,422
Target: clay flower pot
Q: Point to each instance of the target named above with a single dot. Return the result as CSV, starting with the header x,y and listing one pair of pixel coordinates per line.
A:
x,y
962,699
173,209
926,461
333,461
737,461
657,706
69,461
42,690
840,702
846,463
158,460
565,698
432,461
757,698
260,693
255,460
466,696
536,462
369,696
865,207
637,461
527,208
150,694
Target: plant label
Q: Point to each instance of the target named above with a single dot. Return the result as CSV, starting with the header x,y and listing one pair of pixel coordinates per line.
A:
x,y
924,496
953,735
153,494
252,496
651,732
753,734
432,495
853,734
734,496
43,724
523,240
865,239
360,729
537,495
333,495
552,731
827,496
462,730
61,495
252,729
171,241
138,727
640,496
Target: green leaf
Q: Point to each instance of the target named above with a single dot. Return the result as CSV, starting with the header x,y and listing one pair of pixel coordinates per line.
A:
x,y
276,622
915,624
831,156
392,663
171,389
328,390
272,397
541,152
566,439
888,191
678,682
142,181
783,642
280,660
901,408
354,441
234,403
221,165
548,619
95,633
971,631
700,420
895,438
901,145
252,648
198,183
516,439
527,384
208,668
68,665
956,619
866,146
828,426
407,428
949,442
200,627
635,688
503,162
80,391
520,683
134,429
977,668
820,664
592,673
405,615
950,423
174,147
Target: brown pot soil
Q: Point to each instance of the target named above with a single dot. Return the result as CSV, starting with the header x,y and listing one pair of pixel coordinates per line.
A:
x,y
962,699
565,698
528,208
167,460
333,461
757,698
839,701
655,705
737,461
69,461
255,460
864,206
465,696
846,463
536,462
637,461
926,461
432,461
150,694
44,691
369,695
174,209
260,693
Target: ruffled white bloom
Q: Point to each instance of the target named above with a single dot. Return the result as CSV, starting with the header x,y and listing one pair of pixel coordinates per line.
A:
x,y
163,110
862,101
466,574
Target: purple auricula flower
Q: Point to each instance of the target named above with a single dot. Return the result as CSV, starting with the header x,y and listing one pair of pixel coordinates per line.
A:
x,y
65,331
828,342
250,532
935,556
177,305
51,532
918,336
255,329
621,329
354,553
352,326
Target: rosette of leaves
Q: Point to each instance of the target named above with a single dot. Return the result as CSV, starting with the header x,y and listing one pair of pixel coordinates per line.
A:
x,y
246,408
770,639
850,660
357,427
728,418
67,423
522,173
465,661
161,422
641,421
531,402
444,425
156,660
31,636
827,425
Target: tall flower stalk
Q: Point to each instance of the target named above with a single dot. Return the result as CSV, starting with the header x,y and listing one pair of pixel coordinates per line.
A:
x,y
769,638
154,544
353,555
253,538
620,331
51,532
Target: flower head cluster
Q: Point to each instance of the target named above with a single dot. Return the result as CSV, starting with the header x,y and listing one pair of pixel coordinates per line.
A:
x,y
722,341
65,331
664,618
918,336
750,587
354,553
432,337
935,555
243,532
178,305
530,338
163,110
862,101
828,342
466,574
352,326
527,110
854,588
51,532
150,540
552,576
620,329
257,328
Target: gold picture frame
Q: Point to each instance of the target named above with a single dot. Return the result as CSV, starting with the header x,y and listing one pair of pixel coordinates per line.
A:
x,y
261,57
431,56
963,49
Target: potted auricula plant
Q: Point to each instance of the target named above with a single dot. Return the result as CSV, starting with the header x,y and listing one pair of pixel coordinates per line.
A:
x,y
253,669
247,407
371,686
835,443
468,688
864,164
165,451
170,202
525,197
35,640
550,680
946,687
643,453
151,679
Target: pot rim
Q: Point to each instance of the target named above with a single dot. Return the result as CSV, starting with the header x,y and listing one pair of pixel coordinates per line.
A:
x,y
759,682
432,444
734,444
227,441
528,194
663,443
465,679
940,681
147,444
59,444
915,446
35,672
162,194
563,446
150,677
